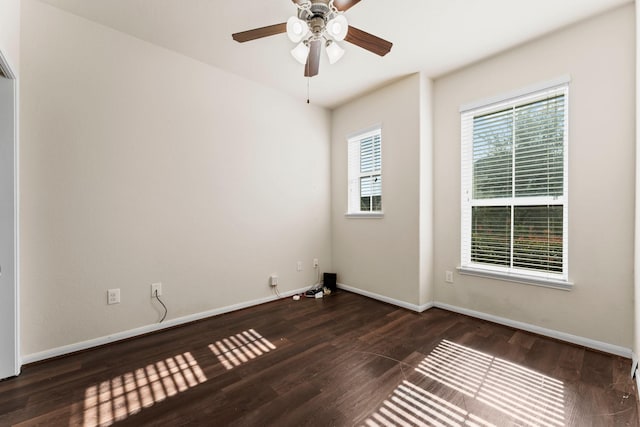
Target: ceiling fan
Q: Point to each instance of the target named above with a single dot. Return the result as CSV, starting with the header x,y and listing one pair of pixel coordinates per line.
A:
x,y
317,23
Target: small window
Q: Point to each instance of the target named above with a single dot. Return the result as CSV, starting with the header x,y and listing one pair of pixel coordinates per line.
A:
x,y
365,173
514,186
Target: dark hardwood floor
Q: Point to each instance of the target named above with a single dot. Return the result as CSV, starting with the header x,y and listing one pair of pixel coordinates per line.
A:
x,y
343,360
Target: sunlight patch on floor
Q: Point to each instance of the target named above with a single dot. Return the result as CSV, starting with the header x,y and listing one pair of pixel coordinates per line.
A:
x,y
483,383
116,399
240,348
119,398
521,393
410,405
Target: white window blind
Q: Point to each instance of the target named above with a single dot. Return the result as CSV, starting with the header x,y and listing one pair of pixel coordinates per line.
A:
x,y
365,172
514,185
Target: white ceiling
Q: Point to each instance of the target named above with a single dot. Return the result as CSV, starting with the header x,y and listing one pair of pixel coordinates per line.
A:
x,y
434,36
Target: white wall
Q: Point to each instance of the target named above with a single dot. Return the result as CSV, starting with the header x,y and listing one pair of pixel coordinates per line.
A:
x,y
425,261
10,33
381,256
139,165
599,55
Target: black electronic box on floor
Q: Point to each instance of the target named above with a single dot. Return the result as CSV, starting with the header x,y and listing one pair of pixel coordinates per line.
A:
x,y
329,281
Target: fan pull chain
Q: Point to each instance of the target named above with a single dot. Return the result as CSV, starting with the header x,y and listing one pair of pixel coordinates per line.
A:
x,y
308,83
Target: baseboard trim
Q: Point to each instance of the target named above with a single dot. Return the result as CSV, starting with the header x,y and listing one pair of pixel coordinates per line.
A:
x,y
562,336
637,376
132,333
373,295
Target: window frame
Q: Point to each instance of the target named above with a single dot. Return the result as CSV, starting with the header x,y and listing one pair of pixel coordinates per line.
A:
x,y
468,112
355,175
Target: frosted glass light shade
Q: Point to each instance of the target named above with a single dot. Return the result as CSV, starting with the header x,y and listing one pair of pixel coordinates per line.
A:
x,y
300,53
334,52
338,28
296,29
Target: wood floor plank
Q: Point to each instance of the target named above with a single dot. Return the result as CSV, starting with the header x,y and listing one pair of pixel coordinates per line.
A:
x,y
597,369
569,364
524,339
342,360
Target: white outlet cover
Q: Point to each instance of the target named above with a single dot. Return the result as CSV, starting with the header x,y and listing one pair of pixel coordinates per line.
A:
x,y
154,287
113,296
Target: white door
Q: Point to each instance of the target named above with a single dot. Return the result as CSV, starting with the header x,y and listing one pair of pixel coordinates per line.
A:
x,y
9,365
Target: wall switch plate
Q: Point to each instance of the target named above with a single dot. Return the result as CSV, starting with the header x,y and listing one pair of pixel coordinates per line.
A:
x,y
315,263
299,266
113,296
156,287
448,276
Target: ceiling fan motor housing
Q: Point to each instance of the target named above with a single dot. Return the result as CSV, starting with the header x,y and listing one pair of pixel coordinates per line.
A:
x,y
317,25
316,14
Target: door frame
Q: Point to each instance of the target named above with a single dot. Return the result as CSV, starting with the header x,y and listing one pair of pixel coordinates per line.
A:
x,y
8,73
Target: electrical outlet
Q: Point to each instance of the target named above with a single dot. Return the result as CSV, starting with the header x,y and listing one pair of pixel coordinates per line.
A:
x,y
448,276
299,266
156,287
315,263
113,296
274,280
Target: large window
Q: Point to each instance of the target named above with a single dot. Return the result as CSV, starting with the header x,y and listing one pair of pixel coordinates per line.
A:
x,y
365,172
514,186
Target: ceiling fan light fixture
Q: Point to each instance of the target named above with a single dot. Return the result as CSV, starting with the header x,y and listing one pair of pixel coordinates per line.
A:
x,y
334,52
297,29
300,53
317,23
338,28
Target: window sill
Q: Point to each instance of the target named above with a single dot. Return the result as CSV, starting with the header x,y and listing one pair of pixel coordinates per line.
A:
x,y
518,278
370,215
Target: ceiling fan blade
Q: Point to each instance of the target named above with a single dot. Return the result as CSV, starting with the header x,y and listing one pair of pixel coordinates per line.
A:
x,y
313,60
368,41
344,5
258,33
